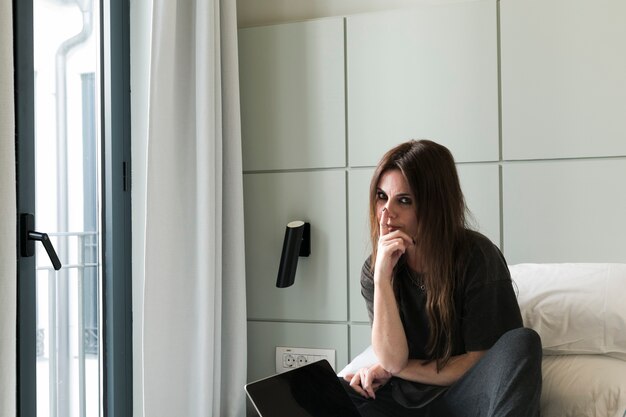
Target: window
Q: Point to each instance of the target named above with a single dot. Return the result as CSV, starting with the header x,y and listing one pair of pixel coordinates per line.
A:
x,y
73,153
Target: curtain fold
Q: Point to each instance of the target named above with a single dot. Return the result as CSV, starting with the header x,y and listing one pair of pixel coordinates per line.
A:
x,y
194,311
8,265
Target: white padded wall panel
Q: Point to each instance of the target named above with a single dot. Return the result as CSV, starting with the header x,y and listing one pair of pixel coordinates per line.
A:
x,y
263,337
360,338
563,78
292,95
565,211
320,288
481,189
360,246
429,72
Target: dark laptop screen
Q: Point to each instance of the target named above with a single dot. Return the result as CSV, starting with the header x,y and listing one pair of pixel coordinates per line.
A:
x,y
312,390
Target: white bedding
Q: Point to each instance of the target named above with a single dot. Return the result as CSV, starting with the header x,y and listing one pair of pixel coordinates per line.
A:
x,y
583,386
573,385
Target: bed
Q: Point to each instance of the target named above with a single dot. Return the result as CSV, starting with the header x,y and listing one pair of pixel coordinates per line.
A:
x,y
579,310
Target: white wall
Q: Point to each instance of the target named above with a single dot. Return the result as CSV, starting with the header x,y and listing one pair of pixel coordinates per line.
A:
x,y
527,104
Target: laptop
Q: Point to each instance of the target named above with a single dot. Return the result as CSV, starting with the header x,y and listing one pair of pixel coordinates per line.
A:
x,y
312,390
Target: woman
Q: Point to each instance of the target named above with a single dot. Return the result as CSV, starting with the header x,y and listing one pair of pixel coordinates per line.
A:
x,y
446,326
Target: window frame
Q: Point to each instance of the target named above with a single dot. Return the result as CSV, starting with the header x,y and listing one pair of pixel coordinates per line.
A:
x,y
116,198
116,280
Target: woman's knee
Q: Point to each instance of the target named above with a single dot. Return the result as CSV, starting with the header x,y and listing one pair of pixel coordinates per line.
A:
x,y
520,345
527,340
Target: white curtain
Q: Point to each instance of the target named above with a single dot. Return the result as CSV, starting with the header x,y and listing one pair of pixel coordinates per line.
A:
x,y
194,315
8,266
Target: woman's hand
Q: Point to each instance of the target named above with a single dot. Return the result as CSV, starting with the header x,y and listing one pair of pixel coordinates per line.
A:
x,y
367,380
391,245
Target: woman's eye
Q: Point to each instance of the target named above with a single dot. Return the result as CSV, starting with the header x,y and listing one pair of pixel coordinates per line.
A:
x,y
381,196
405,201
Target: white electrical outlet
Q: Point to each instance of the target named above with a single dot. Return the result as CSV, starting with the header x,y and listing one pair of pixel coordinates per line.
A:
x,y
293,357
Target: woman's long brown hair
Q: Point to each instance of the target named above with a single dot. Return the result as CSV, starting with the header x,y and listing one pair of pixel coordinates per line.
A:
x,y
440,208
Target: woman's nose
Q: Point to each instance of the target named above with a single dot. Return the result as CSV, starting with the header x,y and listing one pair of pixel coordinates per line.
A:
x,y
389,208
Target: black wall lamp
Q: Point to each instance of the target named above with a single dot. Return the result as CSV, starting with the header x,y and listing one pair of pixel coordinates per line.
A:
x,y
297,243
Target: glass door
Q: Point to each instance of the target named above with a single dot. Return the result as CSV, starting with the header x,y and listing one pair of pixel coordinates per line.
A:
x,y
66,61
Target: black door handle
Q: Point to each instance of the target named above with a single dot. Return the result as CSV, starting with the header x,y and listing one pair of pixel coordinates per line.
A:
x,y
28,237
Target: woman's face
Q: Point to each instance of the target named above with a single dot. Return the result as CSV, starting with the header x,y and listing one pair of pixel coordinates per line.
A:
x,y
393,193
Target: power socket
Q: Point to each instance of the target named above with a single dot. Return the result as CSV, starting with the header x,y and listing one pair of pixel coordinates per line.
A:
x,y
288,358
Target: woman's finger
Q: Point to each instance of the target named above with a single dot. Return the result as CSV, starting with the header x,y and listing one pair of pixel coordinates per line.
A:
x,y
367,382
393,248
390,248
398,234
355,383
384,218
364,382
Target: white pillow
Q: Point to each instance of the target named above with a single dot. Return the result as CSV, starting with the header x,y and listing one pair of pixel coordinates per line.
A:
x,y
575,308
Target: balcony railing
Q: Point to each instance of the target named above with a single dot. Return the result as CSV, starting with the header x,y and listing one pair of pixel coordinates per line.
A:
x,y
70,323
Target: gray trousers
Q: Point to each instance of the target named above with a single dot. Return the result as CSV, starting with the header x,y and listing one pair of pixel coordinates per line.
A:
x,y
506,382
